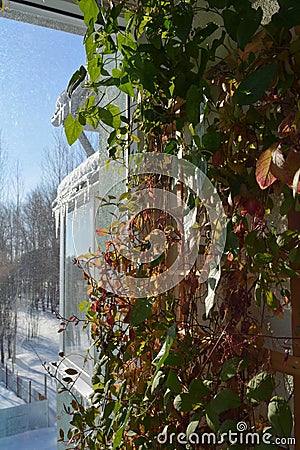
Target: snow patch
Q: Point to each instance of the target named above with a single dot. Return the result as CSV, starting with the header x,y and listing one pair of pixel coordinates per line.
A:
x,y
42,439
8,398
78,177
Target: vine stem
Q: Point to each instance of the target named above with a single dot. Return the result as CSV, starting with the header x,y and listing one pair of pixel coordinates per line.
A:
x,y
215,346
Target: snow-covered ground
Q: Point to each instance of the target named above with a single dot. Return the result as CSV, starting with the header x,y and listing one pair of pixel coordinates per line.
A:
x,y
42,439
31,354
8,398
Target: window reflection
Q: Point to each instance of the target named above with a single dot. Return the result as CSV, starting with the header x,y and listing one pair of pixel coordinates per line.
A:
x,y
79,239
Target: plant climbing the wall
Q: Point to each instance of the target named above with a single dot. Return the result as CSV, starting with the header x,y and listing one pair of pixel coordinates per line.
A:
x,y
210,82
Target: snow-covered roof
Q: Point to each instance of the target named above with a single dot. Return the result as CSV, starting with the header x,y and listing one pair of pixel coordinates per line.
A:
x,y
78,178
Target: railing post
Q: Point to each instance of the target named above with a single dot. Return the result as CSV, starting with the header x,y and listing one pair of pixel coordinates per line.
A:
x,y
18,385
45,386
29,400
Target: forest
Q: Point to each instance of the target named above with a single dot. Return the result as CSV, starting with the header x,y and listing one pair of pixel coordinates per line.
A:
x,y
29,245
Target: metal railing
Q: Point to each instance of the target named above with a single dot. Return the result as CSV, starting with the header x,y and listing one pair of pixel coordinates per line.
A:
x,y
21,387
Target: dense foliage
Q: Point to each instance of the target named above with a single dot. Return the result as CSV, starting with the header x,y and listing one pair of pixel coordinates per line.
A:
x,y
210,81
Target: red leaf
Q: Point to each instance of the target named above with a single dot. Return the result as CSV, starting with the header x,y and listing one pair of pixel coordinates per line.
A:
x,y
263,173
110,320
131,334
293,160
253,207
102,231
61,330
288,128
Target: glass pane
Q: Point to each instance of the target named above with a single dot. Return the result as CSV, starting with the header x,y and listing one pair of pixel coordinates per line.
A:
x,y
79,239
36,65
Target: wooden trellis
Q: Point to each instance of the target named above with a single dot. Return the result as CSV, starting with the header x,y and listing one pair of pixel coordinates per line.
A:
x,y
292,366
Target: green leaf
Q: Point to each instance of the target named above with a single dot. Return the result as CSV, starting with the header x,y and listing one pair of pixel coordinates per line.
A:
x,y
280,416
105,116
73,129
255,85
263,258
173,382
203,33
224,400
273,246
144,70
198,389
142,310
165,349
76,79
159,377
212,140
260,387
289,14
126,43
231,23
127,88
284,238
212,417
82,306
109,408
171,146
287,269
227,425
192,426
182,20
119,434
232,367
270,299
248,25
286,205
94,67
251,243
110,115
175,359
232,241
167,398
116,115
194,98
183,402
90,10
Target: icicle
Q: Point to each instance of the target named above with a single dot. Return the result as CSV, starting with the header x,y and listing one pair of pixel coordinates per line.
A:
x,y
57,221
88,189
75,207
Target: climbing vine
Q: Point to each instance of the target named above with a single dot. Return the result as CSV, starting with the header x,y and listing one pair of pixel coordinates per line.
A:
x,y
210,81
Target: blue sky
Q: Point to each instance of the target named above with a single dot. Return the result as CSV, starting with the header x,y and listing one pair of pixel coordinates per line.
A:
x,y
36,64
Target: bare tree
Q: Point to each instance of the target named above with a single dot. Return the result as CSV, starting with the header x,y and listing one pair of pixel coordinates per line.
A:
x,y
29,247
3,166
60,159
8,280
17,187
